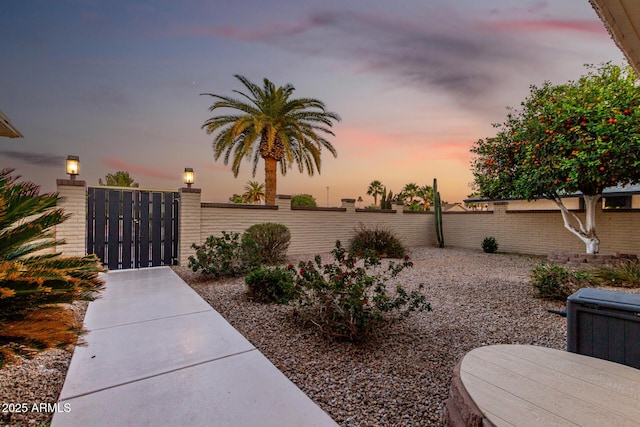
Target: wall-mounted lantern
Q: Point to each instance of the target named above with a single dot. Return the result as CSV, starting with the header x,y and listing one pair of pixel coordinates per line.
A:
x,y
73,166
188,176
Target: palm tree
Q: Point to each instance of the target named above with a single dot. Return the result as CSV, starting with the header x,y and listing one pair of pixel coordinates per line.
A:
x,y
375,189
410,191
426,194
253,192
32,280
287,130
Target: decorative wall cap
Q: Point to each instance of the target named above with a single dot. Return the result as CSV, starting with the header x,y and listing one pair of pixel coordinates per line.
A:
x,y
348,200
71,183
317,209
236,206
376,210
191,190
283,196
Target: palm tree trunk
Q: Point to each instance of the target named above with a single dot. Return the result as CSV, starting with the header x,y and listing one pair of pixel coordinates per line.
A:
x,y
270,165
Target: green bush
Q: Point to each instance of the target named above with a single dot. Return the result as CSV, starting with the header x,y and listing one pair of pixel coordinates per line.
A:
x,y
346,301
383,242
272,285
222,256
624,274
303,200
489,245
268,242
551,281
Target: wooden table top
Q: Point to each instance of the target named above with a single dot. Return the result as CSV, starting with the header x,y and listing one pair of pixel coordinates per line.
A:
x,y
523,385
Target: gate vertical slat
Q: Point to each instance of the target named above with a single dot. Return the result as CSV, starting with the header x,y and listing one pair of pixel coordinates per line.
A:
x,y
174,234
167,242
156,230
113,233
100,223
127,228
144,229
90,220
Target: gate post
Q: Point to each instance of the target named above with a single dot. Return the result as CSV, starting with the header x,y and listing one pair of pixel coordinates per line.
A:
x,y
189,222
74,229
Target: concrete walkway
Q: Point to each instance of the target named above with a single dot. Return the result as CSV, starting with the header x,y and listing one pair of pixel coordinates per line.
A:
x,y
158,355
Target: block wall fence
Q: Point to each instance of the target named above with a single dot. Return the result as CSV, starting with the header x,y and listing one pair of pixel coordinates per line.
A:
x,y
315,230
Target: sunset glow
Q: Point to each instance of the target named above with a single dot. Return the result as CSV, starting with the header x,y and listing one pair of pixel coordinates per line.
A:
x,y
118,83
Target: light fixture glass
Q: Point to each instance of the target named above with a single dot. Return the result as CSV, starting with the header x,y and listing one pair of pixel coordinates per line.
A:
x,y
188,176
73,166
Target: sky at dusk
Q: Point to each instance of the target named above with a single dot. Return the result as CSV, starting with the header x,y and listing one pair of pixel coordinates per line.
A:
x,y
416,83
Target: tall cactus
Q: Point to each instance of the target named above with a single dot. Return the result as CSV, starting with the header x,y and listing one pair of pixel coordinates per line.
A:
x,y
437,209
386,201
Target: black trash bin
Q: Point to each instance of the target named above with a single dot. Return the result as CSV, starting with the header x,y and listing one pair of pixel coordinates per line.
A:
x,y
604,324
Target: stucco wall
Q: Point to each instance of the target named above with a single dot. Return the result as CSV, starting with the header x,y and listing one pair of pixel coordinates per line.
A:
x,y
313,230
316,230
540,232
74,230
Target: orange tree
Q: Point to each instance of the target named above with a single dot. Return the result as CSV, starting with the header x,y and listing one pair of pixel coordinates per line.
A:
x,y
575,138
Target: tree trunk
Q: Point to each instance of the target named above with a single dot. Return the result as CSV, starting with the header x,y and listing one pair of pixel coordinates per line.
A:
x,y
270,165
591,239
587,231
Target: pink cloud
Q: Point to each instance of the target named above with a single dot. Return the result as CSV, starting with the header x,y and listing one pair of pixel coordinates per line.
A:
x,y
450,150
368,144
216,167
365,143
120,164
272,31
583,26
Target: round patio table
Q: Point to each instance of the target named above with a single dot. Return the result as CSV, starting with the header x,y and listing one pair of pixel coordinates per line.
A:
x,y
523,385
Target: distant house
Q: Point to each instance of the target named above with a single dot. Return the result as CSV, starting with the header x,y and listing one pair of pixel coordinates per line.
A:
x,y
627,197
454,207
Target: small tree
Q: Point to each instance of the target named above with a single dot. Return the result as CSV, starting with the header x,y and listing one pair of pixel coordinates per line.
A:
x,y
581,137
426,194
253,192
303,200
118,179
236,198
409,191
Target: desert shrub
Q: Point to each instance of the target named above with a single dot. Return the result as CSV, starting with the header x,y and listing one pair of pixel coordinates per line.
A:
x,y
222,256
267,241
345,300
489,245
303,200
551,281
624,274
272,285
382,241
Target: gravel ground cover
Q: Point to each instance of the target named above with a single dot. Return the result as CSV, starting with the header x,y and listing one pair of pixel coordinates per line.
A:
x,y
399,378
402,376
35,381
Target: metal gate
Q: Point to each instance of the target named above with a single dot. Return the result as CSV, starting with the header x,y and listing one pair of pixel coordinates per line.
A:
x,y
130,228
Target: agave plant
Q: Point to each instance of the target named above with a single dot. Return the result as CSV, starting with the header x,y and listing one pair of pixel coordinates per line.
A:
x,y
33,277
